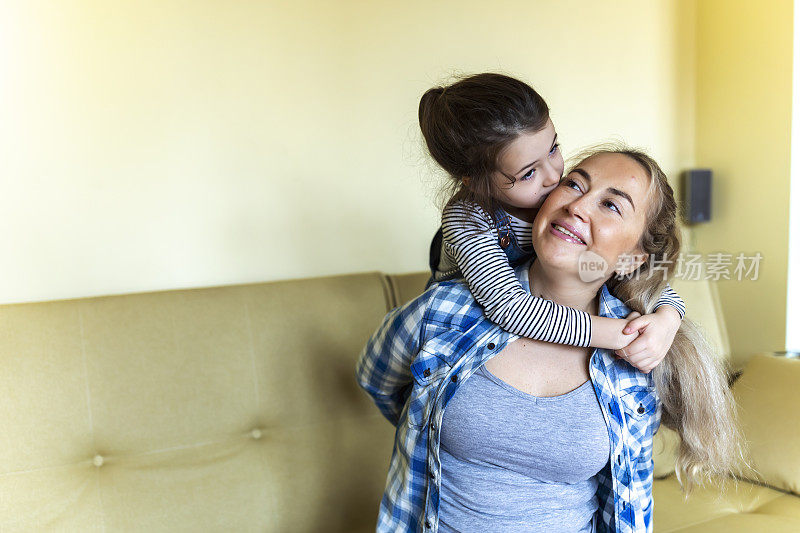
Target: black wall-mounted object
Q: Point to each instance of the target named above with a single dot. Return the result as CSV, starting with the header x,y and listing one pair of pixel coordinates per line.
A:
x,y
697,195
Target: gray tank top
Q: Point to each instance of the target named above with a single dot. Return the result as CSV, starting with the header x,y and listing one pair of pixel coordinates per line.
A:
x,y
514,462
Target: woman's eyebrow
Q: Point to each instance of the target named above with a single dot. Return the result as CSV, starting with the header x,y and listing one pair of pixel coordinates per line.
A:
x,y
529,165
612,190
582,173
623,194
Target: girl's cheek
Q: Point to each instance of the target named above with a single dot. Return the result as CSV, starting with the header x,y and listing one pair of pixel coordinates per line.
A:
x,y
543,197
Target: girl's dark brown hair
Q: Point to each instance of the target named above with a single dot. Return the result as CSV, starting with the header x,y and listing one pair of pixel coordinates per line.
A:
x,y
468,123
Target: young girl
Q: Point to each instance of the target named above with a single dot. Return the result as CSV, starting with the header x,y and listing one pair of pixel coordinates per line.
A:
x,y
493,135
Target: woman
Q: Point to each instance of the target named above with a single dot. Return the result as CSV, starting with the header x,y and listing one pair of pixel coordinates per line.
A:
x,y
501,433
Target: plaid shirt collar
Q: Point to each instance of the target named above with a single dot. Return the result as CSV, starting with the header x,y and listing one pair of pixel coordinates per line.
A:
x,y
421,354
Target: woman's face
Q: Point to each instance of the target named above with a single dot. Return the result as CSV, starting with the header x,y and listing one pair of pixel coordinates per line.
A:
x,y
600,207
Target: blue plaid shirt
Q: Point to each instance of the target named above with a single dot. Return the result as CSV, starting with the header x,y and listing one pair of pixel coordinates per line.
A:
x,y
421,354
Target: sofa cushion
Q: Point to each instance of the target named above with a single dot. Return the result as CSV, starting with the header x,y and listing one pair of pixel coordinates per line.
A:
x,y
768,396
217,409
665,451
741,506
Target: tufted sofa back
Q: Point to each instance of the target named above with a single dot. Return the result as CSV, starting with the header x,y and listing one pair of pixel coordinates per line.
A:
x,y
217,409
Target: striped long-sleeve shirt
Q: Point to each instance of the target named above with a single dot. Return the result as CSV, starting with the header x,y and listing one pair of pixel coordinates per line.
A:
x,y
471,247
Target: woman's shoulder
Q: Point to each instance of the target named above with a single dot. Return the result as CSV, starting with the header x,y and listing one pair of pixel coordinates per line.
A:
x,y
610,305
629,378
448,292
451,304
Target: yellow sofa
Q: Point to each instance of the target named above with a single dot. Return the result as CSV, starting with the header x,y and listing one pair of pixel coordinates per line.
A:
x,y
767,396
235,409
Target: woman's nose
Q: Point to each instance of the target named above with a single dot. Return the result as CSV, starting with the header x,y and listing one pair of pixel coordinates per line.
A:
x,y
578,208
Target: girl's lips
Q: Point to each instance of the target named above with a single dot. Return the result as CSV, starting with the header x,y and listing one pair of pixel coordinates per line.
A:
x,y
564,236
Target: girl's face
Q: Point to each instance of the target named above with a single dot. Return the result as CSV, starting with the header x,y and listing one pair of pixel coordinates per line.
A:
x,y
528,169
600,207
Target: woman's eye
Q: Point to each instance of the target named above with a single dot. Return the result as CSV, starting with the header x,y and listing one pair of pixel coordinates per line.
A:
x,y
528,175
611,205
572,185
554,149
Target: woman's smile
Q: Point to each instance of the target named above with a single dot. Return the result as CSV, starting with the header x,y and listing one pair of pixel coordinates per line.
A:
x,y
564,231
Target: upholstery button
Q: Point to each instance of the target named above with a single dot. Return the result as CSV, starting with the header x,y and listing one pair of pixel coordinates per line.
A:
x,y
256,434
427,372
98,460
490,346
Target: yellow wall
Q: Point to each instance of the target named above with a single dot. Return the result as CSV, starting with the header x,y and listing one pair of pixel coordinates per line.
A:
x,y
163,144
743,126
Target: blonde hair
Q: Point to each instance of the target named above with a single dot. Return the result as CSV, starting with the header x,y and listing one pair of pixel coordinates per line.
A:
x,y
692,380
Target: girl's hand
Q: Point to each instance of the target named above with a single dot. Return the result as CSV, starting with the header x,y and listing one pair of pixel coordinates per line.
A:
x,y
607,332
656,332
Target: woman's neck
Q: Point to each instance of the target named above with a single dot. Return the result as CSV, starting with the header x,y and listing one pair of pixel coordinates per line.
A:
x,y
563,289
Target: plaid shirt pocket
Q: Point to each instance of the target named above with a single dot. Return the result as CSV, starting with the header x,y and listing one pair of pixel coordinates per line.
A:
x,y
430,366
427,370
639,404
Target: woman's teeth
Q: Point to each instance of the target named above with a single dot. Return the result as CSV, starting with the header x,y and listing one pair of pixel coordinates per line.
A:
x,y
565,231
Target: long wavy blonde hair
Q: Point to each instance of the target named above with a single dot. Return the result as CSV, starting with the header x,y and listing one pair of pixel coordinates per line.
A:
x,y
692,380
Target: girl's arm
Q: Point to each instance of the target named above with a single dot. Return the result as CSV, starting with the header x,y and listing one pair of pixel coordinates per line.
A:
x,y
469,238
671,298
